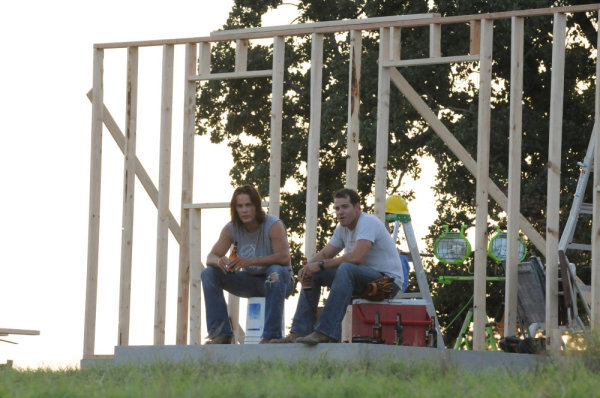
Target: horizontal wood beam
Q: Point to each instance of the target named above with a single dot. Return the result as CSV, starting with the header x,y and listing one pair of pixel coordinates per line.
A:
x,y
315,27
536,12
432,61
215,205
232,75
372,23
154,43
347,25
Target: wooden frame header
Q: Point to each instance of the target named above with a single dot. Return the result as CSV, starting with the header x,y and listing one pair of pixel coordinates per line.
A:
x,y
348,25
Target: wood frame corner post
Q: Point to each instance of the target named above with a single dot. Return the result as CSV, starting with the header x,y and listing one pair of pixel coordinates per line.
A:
x,y
91,291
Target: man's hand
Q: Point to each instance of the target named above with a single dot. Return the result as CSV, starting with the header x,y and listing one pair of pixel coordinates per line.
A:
x,y
305,273
223,264
239,263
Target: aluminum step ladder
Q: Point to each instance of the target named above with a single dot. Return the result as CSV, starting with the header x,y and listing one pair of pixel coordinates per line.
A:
x,y
571,283
424,292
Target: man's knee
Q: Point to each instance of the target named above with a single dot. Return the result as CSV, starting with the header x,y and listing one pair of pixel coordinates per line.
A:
x,y
346,269
209,275
275,274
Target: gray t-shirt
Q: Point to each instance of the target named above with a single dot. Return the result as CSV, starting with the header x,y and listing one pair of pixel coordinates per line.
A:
x,y
254,244
382,256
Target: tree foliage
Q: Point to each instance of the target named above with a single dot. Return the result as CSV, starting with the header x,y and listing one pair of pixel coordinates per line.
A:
x,y
238,112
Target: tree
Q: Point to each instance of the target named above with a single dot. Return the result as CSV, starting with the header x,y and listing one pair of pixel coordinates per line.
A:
x,y
239,112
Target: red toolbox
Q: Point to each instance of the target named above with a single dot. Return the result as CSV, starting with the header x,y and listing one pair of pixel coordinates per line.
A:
x,y
417,325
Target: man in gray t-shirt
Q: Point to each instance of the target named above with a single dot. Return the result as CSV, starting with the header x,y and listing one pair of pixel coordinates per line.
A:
x,y
369,254
383,254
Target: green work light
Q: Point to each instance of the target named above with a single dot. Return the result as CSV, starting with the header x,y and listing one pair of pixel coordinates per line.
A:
x,y
498,244
452,247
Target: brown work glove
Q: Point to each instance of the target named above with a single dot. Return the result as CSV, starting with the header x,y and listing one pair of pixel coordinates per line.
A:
x,y
378,290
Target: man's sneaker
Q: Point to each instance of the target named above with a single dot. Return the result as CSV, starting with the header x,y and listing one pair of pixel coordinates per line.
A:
x,y
220,340
290,338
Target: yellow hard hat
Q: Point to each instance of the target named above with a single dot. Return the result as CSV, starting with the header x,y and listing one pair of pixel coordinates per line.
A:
x,y
395,204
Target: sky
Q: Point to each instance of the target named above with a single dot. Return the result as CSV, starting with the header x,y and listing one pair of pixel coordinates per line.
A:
x,y
45,124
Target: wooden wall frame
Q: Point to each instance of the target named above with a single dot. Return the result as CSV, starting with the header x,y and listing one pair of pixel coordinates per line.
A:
x,y
197,68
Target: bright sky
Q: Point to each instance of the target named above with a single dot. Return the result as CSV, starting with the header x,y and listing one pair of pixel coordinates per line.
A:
x,y
45,122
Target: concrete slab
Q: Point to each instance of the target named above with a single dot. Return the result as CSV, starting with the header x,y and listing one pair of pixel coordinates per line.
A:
x,y
467,360
86,363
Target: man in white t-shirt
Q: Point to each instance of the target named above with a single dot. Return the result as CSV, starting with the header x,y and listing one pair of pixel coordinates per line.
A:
x,y
369,254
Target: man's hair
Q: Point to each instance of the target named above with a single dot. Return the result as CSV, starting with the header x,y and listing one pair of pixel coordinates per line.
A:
x,y
254,198
348,193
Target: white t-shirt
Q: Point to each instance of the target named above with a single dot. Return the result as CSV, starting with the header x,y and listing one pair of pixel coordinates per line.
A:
x,y
382,256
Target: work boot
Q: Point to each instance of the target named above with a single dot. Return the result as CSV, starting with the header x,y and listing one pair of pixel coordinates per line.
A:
x,y
220,340
290,338
315,338
265,340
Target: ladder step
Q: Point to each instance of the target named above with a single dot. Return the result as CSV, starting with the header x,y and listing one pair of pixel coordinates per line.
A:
x,y
417,295
579,246
586,208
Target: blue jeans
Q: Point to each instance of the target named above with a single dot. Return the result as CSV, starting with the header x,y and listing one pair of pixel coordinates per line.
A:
x,y
275,286
346,280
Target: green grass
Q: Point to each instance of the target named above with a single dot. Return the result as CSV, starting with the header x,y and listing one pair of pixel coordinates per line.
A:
x,y
324,378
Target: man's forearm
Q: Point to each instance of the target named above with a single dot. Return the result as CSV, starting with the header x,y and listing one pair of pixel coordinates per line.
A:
x,y
328,256
212,260
282,259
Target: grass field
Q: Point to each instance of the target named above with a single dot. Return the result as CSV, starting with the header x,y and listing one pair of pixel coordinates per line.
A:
x,y
571,377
